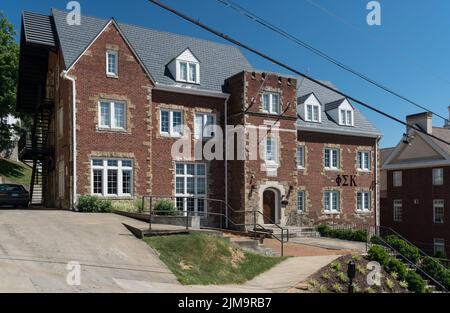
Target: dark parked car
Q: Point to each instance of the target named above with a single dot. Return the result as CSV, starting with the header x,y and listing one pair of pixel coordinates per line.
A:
x,y
15,195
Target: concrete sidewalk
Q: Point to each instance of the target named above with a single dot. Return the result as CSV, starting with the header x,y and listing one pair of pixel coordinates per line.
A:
x,y
331,243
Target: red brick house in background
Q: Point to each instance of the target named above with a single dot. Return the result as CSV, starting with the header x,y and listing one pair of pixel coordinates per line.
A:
x,y
415,186
111,99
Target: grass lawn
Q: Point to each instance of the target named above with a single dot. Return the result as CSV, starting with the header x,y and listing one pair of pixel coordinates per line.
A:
x,y
199,259
15,172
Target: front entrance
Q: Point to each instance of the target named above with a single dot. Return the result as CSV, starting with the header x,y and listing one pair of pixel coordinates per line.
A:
x,y
270,199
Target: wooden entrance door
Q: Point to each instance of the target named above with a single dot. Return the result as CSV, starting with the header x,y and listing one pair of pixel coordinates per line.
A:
x,y
269,206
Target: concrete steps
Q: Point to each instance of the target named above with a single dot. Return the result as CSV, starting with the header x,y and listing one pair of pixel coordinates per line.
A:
x,y
251,245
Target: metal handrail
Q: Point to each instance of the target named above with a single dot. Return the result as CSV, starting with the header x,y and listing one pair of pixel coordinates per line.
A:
x,y
428,276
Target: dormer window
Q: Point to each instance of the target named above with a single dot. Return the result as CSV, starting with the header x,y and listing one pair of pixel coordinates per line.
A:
x,y
309,108
185,68
271,103
346,117
312,113
111,63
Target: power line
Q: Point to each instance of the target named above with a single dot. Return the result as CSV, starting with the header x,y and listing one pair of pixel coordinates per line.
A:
x,y
289,68
241,10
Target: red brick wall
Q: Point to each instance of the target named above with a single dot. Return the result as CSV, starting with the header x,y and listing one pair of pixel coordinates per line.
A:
x,y
417,223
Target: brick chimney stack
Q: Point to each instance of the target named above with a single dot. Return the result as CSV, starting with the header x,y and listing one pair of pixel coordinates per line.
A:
x,y
423,120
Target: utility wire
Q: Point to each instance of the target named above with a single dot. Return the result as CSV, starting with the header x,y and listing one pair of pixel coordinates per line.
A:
x,y
267,24
291,69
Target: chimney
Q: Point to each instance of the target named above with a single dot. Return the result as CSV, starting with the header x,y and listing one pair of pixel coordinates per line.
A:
x,y
422,120
447,122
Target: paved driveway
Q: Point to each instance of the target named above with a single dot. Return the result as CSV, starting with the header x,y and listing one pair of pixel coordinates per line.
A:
x,y
35,247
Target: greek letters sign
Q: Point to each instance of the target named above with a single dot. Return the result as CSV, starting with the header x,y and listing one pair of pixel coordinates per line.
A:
x,y
346,181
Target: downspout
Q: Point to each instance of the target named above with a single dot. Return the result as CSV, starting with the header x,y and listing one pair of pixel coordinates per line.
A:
x,y
226,160
377,189
66,76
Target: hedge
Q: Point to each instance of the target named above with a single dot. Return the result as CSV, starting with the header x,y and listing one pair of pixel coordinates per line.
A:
x,y
165,207
408,251
436,270
93,204
344,234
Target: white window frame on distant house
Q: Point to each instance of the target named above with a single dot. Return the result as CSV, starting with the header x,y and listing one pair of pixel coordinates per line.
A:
x,y
331,159
107,168
332,202
271,150
363,162
271,102
204,125
111,120
173,128
397,179
363,201
301,201
192,74
438,176
191,187
438,211
346,117
312,113
439,245
300,156
397,210
112,68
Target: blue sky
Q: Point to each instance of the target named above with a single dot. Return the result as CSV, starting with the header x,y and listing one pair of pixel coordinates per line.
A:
x,y
409,52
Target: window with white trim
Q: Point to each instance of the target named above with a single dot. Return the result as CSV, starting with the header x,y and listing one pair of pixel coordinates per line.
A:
x,y
331,159
112,115
112,177
363,201
204,125
300,157
439,245
363,161
438,176
398,210
346,117
332,201
171,123
397,179
112,63
271,102
188,72
271,150
190,187
438,211
312,113
301,201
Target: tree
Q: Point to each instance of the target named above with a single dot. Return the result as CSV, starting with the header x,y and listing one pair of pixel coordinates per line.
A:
x,y
9,68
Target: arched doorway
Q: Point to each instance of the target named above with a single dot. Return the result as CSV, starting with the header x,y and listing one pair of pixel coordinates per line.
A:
x,y
270,206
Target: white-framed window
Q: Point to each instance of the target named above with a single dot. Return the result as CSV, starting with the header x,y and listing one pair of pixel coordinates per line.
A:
x,y
332,201
438,176
112,115
112,67
300,157
331,158
204,125
398,210
363,161
439,245
271,150
363,201
301,201
346,117
397,179
112,177
312,113
188,72
271,102
190,181
171,123
438,211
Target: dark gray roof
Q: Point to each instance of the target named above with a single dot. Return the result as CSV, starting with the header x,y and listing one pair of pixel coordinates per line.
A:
x,y
156,49
444,134
327,97
38,29
333,105
385,153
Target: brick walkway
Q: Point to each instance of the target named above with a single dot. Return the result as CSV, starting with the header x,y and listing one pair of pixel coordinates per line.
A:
x,y
298,250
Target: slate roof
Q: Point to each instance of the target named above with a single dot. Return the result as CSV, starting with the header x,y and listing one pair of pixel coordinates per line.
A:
x,y
156,49
328,98
443,133
38,29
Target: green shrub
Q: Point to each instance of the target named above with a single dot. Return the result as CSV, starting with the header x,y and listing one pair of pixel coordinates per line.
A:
x,y
403,284
336,287
335,266
165,208
379,254
390,283
376,240
360,269
436,270
415,282
343,234
342,277
440,255
396,266
325,275
404,248
360,235
324,230
93,204
128,206
323,289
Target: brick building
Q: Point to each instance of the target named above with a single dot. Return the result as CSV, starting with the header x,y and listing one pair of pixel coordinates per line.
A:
x,y
111,101
414,186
